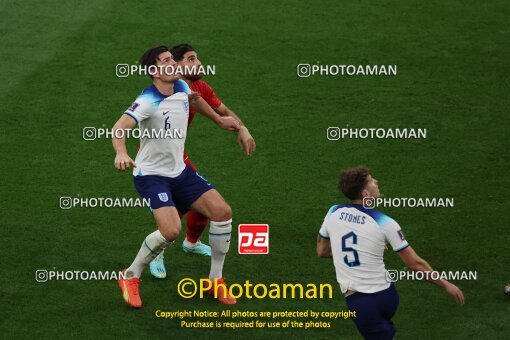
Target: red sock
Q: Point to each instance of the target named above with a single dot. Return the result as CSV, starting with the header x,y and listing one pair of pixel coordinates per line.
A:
x,y
196,224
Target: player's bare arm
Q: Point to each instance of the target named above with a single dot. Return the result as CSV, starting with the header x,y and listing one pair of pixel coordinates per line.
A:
x,y
223,110
227,123
244,138
416,263
122,159
323,247
186,56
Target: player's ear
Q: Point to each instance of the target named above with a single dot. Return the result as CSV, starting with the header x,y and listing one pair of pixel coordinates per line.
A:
x,y
153,72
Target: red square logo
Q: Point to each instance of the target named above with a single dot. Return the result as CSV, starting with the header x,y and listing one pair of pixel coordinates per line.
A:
x,y
253,239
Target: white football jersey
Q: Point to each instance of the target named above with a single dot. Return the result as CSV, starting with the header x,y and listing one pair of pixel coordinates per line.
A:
x,y
155,114
358,238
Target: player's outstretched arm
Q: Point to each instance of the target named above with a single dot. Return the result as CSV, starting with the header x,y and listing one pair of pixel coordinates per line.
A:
x,y
227,123
323,247
244,138
223,110
416,263
122,159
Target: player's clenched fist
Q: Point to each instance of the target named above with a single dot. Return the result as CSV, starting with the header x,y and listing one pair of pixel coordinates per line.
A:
x,y
122,161
193,97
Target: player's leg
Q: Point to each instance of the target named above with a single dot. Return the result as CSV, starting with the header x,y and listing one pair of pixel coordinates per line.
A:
x,y
157,266
212,205
388,301
195,224
159,192
365,307
169,225
374,313
195,193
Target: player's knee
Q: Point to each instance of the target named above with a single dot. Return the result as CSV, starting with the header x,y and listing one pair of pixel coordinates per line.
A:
x,y
170,232
222,212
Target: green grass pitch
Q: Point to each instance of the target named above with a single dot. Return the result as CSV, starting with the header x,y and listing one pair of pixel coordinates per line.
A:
x,y
58,76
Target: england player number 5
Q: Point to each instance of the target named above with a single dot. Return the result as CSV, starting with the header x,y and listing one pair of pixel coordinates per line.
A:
x,y
345,248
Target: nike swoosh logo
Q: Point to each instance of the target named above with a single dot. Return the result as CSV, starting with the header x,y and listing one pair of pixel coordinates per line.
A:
x,y
164,113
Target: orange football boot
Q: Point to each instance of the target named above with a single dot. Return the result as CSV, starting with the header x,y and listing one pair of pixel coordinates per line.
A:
x,y
130,293
222,292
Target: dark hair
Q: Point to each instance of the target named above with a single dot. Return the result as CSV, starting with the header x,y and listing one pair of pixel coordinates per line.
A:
x,y
179,51
150,56
353,181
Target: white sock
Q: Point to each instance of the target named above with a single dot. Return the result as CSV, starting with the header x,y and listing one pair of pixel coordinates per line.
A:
x,y
219,240
153,244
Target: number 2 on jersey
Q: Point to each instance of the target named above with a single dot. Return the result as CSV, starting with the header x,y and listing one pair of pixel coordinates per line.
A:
x,y
345,248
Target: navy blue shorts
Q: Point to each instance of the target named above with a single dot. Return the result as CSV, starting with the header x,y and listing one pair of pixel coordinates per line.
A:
x,y
374,312
179,192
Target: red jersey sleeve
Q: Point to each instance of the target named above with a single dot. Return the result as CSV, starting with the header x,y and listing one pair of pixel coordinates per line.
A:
x,y
206,92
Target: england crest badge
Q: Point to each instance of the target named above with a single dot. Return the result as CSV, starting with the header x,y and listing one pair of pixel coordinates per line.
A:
x,y
163,197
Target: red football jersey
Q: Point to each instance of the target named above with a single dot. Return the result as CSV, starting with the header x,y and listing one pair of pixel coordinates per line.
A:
x,y
209,96
205,92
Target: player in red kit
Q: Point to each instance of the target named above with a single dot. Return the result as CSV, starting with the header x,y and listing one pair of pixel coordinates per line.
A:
x,y
187,59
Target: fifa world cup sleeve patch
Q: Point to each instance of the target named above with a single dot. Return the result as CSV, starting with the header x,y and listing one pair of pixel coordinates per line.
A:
x,y
133,106
143,107
394,235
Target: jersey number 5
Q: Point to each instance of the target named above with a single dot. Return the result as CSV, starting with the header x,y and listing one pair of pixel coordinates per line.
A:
x,y
345,248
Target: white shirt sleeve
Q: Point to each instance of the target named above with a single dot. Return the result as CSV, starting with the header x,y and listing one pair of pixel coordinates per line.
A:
x,y
393,234
142,108
323,232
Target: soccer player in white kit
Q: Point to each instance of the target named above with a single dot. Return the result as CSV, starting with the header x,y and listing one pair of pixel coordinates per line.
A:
x,y
161,175
356,238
